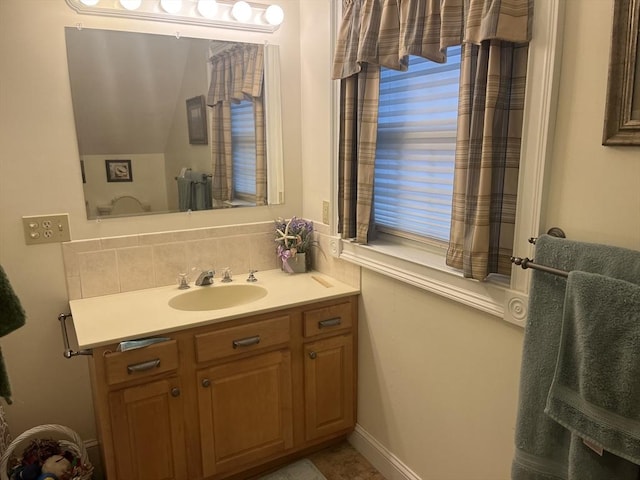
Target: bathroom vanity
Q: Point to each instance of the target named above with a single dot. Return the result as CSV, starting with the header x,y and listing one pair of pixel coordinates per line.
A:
x,y
228,392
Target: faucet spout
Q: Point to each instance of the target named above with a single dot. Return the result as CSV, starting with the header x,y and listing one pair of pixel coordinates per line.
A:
x,y
205,278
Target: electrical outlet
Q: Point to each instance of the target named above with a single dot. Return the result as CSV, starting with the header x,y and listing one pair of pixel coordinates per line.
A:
x,y
325,212
46,228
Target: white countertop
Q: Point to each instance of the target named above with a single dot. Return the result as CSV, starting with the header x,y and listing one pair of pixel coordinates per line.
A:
x,y
142,313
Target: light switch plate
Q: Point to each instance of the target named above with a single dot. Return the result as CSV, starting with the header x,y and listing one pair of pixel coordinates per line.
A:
x,y
46,228
325,212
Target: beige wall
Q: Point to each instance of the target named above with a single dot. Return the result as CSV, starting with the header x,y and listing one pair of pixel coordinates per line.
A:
x,y
316,105
594,191
437,381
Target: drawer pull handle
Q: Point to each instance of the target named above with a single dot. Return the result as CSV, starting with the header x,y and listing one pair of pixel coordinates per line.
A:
x,y
175,392
330,322
313,355
206,382
246,342
143,366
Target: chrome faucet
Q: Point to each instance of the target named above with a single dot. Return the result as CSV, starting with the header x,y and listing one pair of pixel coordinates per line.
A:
x,y
205,278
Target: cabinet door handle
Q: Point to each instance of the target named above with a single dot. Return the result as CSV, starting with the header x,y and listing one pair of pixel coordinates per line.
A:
x,y
143,366
313,355
330,322
246,342
175,392
206,382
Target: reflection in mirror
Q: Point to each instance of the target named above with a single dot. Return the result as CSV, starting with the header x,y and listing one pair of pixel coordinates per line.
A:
x,y
168,124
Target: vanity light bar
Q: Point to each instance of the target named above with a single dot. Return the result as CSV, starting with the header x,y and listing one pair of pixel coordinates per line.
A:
x,y
240,15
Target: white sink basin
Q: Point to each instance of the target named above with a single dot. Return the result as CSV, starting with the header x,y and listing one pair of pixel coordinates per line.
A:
x,y
216,297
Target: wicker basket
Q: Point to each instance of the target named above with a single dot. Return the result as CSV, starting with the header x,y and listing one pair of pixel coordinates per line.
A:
x,y
75,446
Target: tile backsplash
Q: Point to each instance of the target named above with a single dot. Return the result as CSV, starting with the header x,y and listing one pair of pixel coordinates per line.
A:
x,y
110,265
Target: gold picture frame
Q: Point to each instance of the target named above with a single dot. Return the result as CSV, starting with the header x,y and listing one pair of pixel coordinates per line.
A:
x,y
622,113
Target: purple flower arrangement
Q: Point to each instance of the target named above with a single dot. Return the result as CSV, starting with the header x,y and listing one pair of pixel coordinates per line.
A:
x,y
293,237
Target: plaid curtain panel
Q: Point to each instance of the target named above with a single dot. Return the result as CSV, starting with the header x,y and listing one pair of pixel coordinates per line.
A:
x,y
490,113
359,94
261,151
221,159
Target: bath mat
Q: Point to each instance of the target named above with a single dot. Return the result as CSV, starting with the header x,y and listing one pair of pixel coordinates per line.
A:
x,y
300,470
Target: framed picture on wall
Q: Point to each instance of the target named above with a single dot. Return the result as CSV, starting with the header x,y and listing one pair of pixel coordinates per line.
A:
x,y
119,171
197,120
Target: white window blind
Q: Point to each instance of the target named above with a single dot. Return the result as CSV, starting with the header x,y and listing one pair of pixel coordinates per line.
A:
x,y
243,134
415,148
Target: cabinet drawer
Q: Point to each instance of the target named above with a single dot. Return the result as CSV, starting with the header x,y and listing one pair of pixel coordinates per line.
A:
x,y
326,319
245,338
141,363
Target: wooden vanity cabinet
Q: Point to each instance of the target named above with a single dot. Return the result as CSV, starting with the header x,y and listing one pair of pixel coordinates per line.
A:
x,y
244,399
218,400
329,370
147,427
140,410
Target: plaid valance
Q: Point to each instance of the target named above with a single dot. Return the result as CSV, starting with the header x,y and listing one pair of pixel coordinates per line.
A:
x,y
386,32
236,74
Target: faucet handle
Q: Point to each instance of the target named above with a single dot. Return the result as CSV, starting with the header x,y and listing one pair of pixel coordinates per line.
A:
x,y
226,278
251,277
183,281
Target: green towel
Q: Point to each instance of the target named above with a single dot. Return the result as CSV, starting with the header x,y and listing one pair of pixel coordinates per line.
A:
x,y
596,387
184,193
543,446
12,317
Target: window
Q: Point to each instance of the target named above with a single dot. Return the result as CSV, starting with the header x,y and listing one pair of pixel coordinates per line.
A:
x,y
413,181
243,134
424,267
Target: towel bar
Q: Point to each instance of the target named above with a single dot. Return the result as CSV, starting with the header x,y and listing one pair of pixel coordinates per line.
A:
x,y
529,263
68,352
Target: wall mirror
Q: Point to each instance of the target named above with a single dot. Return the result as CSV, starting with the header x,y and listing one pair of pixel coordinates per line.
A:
x,y
144,128
622,114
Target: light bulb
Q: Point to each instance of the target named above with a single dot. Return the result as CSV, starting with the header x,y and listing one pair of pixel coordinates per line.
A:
x,y
207,8
274,15
241,11
171,6
89,3
131,4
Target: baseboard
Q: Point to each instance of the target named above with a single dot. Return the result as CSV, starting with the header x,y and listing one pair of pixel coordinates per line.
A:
x,y
91,443
380,457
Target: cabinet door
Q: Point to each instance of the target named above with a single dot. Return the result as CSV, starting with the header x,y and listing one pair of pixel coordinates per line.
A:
x,y
329,386
148,432
245,411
